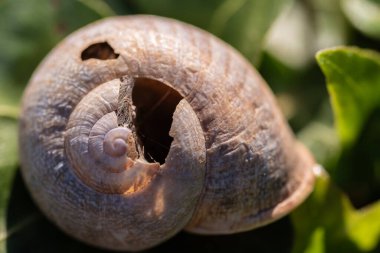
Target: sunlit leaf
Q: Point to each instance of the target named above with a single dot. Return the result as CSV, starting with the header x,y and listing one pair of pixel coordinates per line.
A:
x,y
99,7
327,222
364,15
353,81
316,244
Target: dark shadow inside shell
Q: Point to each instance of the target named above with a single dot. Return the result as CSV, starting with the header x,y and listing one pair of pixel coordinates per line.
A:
x,y
155,104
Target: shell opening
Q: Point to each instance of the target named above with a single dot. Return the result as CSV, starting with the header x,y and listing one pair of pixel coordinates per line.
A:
x,y
155,104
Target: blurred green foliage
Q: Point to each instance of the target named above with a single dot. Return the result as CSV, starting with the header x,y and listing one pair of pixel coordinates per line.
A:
x,y
279,37
364,15
222,18
327,222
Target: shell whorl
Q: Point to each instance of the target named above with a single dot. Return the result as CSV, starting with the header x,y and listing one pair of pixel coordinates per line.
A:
x,y
99,150
225,161
115,142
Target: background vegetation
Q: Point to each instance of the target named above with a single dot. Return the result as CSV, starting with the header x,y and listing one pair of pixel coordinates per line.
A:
x,y
339,122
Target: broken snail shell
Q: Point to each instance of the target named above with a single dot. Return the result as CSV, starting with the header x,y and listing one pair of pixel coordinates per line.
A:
x,y
134,128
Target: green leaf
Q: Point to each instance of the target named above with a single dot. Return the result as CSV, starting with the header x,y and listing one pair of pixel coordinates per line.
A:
x,y
327,222
364,15
8,165
242,23
353,82
99,7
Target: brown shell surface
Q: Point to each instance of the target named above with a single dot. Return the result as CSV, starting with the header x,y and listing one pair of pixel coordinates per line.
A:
x,y
249,170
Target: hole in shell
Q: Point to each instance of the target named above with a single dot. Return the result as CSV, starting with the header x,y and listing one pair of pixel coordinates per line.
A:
x,y
155,104
101,51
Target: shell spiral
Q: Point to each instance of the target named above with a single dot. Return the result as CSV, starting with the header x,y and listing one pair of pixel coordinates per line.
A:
x,y
198,143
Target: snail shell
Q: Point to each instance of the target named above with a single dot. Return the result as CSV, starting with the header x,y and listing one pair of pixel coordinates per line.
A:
x,y
196,143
